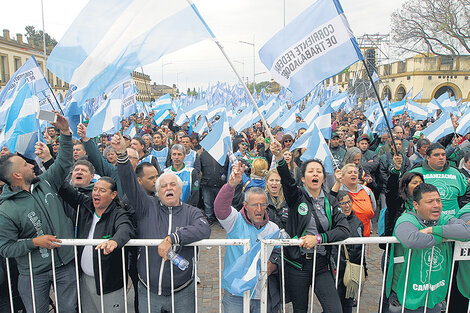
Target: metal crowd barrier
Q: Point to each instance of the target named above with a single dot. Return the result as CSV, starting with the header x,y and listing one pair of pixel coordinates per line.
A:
x,y
461,253
145,243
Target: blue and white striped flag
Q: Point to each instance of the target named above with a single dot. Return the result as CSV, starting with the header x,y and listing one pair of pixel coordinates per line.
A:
x,y
217,142
21,126
416,111
443,126
316,45
419,95
464,125
107,117
29,73
131,131
317,148
111,38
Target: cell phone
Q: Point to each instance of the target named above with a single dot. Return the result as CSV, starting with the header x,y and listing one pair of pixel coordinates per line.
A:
x,y
48,116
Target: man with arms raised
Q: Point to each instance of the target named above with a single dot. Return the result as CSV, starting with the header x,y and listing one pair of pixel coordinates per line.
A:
x,y
165,217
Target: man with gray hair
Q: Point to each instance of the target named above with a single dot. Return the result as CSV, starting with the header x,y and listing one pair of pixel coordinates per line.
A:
x,y
163,217
250,222
189,176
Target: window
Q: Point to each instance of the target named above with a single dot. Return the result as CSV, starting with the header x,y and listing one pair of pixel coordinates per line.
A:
x,y
50,77
17,63
4,70
58,82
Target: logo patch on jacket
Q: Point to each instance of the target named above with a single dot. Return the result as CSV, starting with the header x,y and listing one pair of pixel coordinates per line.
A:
x,y
303,208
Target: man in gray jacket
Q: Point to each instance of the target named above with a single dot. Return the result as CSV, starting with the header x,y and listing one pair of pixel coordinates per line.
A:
x,y
162,217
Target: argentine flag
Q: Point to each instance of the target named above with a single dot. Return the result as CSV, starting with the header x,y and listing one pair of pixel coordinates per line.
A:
x,y
21,126
218,143
107,117
111,38
443,126
316,45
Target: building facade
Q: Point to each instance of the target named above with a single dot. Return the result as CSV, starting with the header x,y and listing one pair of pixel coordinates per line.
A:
x,y
14,52
432,74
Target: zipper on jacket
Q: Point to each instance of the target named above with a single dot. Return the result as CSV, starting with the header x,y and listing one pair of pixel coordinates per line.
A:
x,y
162,266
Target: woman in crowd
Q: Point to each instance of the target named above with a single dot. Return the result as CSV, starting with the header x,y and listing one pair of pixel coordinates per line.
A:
x,y
293,168
259,169
315,218
363,199
110,155
287,141
277,209
98,217
354,251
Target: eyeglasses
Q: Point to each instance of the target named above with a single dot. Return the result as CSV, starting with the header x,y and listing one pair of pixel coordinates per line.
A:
x,y
345,203
260,205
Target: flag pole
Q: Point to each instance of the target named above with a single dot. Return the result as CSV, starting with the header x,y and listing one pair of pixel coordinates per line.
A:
x,y
380,103
265,124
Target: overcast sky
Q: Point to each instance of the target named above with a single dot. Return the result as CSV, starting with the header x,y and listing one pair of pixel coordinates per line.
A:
x,y
232,21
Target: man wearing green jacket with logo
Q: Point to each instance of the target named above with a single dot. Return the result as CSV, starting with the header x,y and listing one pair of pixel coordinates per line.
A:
x,y
422,239
451,184
32,219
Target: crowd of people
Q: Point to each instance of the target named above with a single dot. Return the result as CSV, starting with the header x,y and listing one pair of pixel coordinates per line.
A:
x,y
161,184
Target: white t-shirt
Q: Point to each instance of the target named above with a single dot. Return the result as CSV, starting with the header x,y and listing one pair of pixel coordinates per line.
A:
x,y
87,255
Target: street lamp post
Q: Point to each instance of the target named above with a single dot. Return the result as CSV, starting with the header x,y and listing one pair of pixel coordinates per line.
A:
x,y
243,64
254,59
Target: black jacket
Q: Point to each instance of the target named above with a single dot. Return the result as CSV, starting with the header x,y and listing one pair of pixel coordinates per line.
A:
x,y
297,223
213,174
386,165
115,224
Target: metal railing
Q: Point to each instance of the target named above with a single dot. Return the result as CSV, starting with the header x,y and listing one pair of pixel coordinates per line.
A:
x,y
461,253
144,243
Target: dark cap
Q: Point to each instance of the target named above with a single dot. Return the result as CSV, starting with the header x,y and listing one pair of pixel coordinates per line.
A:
x,y
364,137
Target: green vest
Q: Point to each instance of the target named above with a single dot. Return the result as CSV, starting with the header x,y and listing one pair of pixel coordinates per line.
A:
x,y
418,279
463,282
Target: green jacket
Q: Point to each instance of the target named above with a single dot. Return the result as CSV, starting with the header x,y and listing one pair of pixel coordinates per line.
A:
x,y
450,183
26,215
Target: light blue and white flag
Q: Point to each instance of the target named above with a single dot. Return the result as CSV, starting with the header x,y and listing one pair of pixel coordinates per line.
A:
x,y
464,125
217,142
29,73
162,101
443,126
287,121
199,107
375,77
107,117
419,95
131,131
243,274
316,145
111,38
335,103
398,107
416,111
21,126
316,45
161,115
409,93
244,120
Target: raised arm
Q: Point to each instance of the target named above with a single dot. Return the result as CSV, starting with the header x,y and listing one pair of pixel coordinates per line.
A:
x,y
130,186
58,171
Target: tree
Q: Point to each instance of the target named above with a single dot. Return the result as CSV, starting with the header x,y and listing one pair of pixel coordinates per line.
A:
x,y
441,27
35,36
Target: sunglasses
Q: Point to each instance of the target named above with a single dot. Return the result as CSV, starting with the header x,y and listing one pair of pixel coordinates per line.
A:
x,y
288,140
